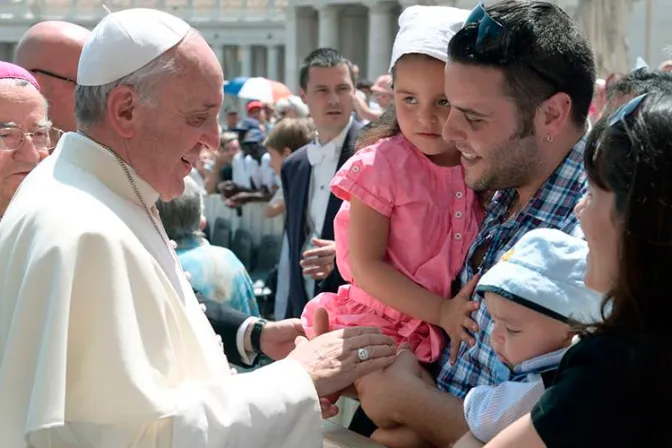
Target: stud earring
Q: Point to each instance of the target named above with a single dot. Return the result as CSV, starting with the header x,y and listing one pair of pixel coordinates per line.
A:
x,y
549,138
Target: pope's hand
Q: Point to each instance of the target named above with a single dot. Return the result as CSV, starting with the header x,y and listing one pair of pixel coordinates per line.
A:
x,y
278,338
333,359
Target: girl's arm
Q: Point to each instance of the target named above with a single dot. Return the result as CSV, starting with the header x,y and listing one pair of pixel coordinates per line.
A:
x,y
368,233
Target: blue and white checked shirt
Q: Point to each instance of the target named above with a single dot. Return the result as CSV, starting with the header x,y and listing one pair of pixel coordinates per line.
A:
x,y
551,207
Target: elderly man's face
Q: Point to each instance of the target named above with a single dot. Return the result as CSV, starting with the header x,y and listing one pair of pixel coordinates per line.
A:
x,y
21,107
169,137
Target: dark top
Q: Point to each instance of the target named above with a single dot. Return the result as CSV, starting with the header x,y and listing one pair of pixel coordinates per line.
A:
x,y
226,173
225,321
295,175
609,392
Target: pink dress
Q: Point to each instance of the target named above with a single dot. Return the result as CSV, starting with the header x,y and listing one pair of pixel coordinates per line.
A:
x,y
434,218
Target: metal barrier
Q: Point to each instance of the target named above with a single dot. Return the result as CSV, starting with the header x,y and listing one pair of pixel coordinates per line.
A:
x,y
249,217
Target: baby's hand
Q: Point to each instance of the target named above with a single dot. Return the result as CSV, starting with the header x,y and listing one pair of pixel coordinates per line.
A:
x,y
455,318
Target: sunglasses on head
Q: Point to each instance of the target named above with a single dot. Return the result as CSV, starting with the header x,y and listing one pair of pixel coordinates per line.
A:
x,y
617,120
626,111
489,29
494,44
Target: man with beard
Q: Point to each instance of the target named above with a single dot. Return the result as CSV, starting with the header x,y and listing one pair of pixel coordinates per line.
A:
x,y
520,81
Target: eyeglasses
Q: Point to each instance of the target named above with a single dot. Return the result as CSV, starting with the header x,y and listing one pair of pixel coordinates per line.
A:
x,y
495,43
625,111
44,139
54,75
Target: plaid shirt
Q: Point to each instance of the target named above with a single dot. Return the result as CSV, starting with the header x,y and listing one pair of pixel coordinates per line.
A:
x,y
551,207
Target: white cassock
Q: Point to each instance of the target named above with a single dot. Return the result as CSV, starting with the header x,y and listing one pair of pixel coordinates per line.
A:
x,y
102,342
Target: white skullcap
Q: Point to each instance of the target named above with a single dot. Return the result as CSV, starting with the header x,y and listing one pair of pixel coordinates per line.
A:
x,y
427,30
126,41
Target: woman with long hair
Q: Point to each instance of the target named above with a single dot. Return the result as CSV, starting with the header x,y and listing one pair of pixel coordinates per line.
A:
x,y
613,387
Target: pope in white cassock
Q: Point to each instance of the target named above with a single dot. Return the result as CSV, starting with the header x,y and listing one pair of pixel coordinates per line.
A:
x,y
102,342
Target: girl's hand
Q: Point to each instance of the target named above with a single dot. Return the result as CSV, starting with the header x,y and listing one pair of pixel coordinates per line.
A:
x,y
455,318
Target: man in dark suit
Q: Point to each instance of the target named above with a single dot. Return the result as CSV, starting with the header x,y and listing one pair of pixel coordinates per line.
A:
x,y
244,337
327,87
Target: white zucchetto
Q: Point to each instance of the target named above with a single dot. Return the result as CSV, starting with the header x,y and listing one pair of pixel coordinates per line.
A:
x,y
126,41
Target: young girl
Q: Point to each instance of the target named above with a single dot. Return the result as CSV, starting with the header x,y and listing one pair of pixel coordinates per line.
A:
x,y
407,218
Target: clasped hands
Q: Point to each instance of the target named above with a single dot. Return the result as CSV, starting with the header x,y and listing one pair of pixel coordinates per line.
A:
x,y
331,357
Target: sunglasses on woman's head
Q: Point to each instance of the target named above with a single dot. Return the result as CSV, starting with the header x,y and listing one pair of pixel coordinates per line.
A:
x,y
626,111
617,120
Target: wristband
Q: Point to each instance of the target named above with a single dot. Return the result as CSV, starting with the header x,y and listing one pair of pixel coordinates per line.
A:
x,y
255,336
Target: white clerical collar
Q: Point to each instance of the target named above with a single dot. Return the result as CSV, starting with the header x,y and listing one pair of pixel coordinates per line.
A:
x,y
93,158
330,150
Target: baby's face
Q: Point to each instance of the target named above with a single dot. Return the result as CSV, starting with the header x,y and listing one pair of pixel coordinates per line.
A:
x,y
521,333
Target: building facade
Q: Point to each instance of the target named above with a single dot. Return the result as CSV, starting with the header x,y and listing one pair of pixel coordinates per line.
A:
x,y
270,37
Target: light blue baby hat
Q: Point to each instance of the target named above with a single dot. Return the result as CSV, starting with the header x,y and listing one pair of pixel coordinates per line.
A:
x,y
544,271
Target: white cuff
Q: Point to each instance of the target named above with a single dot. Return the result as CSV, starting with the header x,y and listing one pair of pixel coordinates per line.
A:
x,y
247,357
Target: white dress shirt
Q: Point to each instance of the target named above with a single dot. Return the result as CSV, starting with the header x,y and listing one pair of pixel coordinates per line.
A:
x,y
102,341
250,174
196,177
240,174
324,159
262,174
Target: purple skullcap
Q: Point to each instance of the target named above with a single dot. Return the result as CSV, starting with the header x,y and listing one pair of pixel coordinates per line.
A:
x,y
12,71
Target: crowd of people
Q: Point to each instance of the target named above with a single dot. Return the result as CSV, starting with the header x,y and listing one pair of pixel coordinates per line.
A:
x,y
476,246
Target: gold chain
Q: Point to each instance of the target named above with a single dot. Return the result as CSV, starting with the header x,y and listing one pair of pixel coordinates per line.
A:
x,y
124,166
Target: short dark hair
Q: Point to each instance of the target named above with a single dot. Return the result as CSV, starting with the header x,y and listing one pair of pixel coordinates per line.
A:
x,y
364,84
639,82
546,53
323,57
633,160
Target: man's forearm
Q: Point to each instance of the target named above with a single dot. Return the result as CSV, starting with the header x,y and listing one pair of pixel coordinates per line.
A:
x,y
436,416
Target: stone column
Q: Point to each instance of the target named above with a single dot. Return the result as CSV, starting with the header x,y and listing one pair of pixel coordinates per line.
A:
x,y
301,26
381,38
259,58
218,49
292,48
328,23
272,62
246,60
231,65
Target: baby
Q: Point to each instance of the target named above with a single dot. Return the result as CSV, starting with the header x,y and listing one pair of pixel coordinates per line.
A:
x,y
533,294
